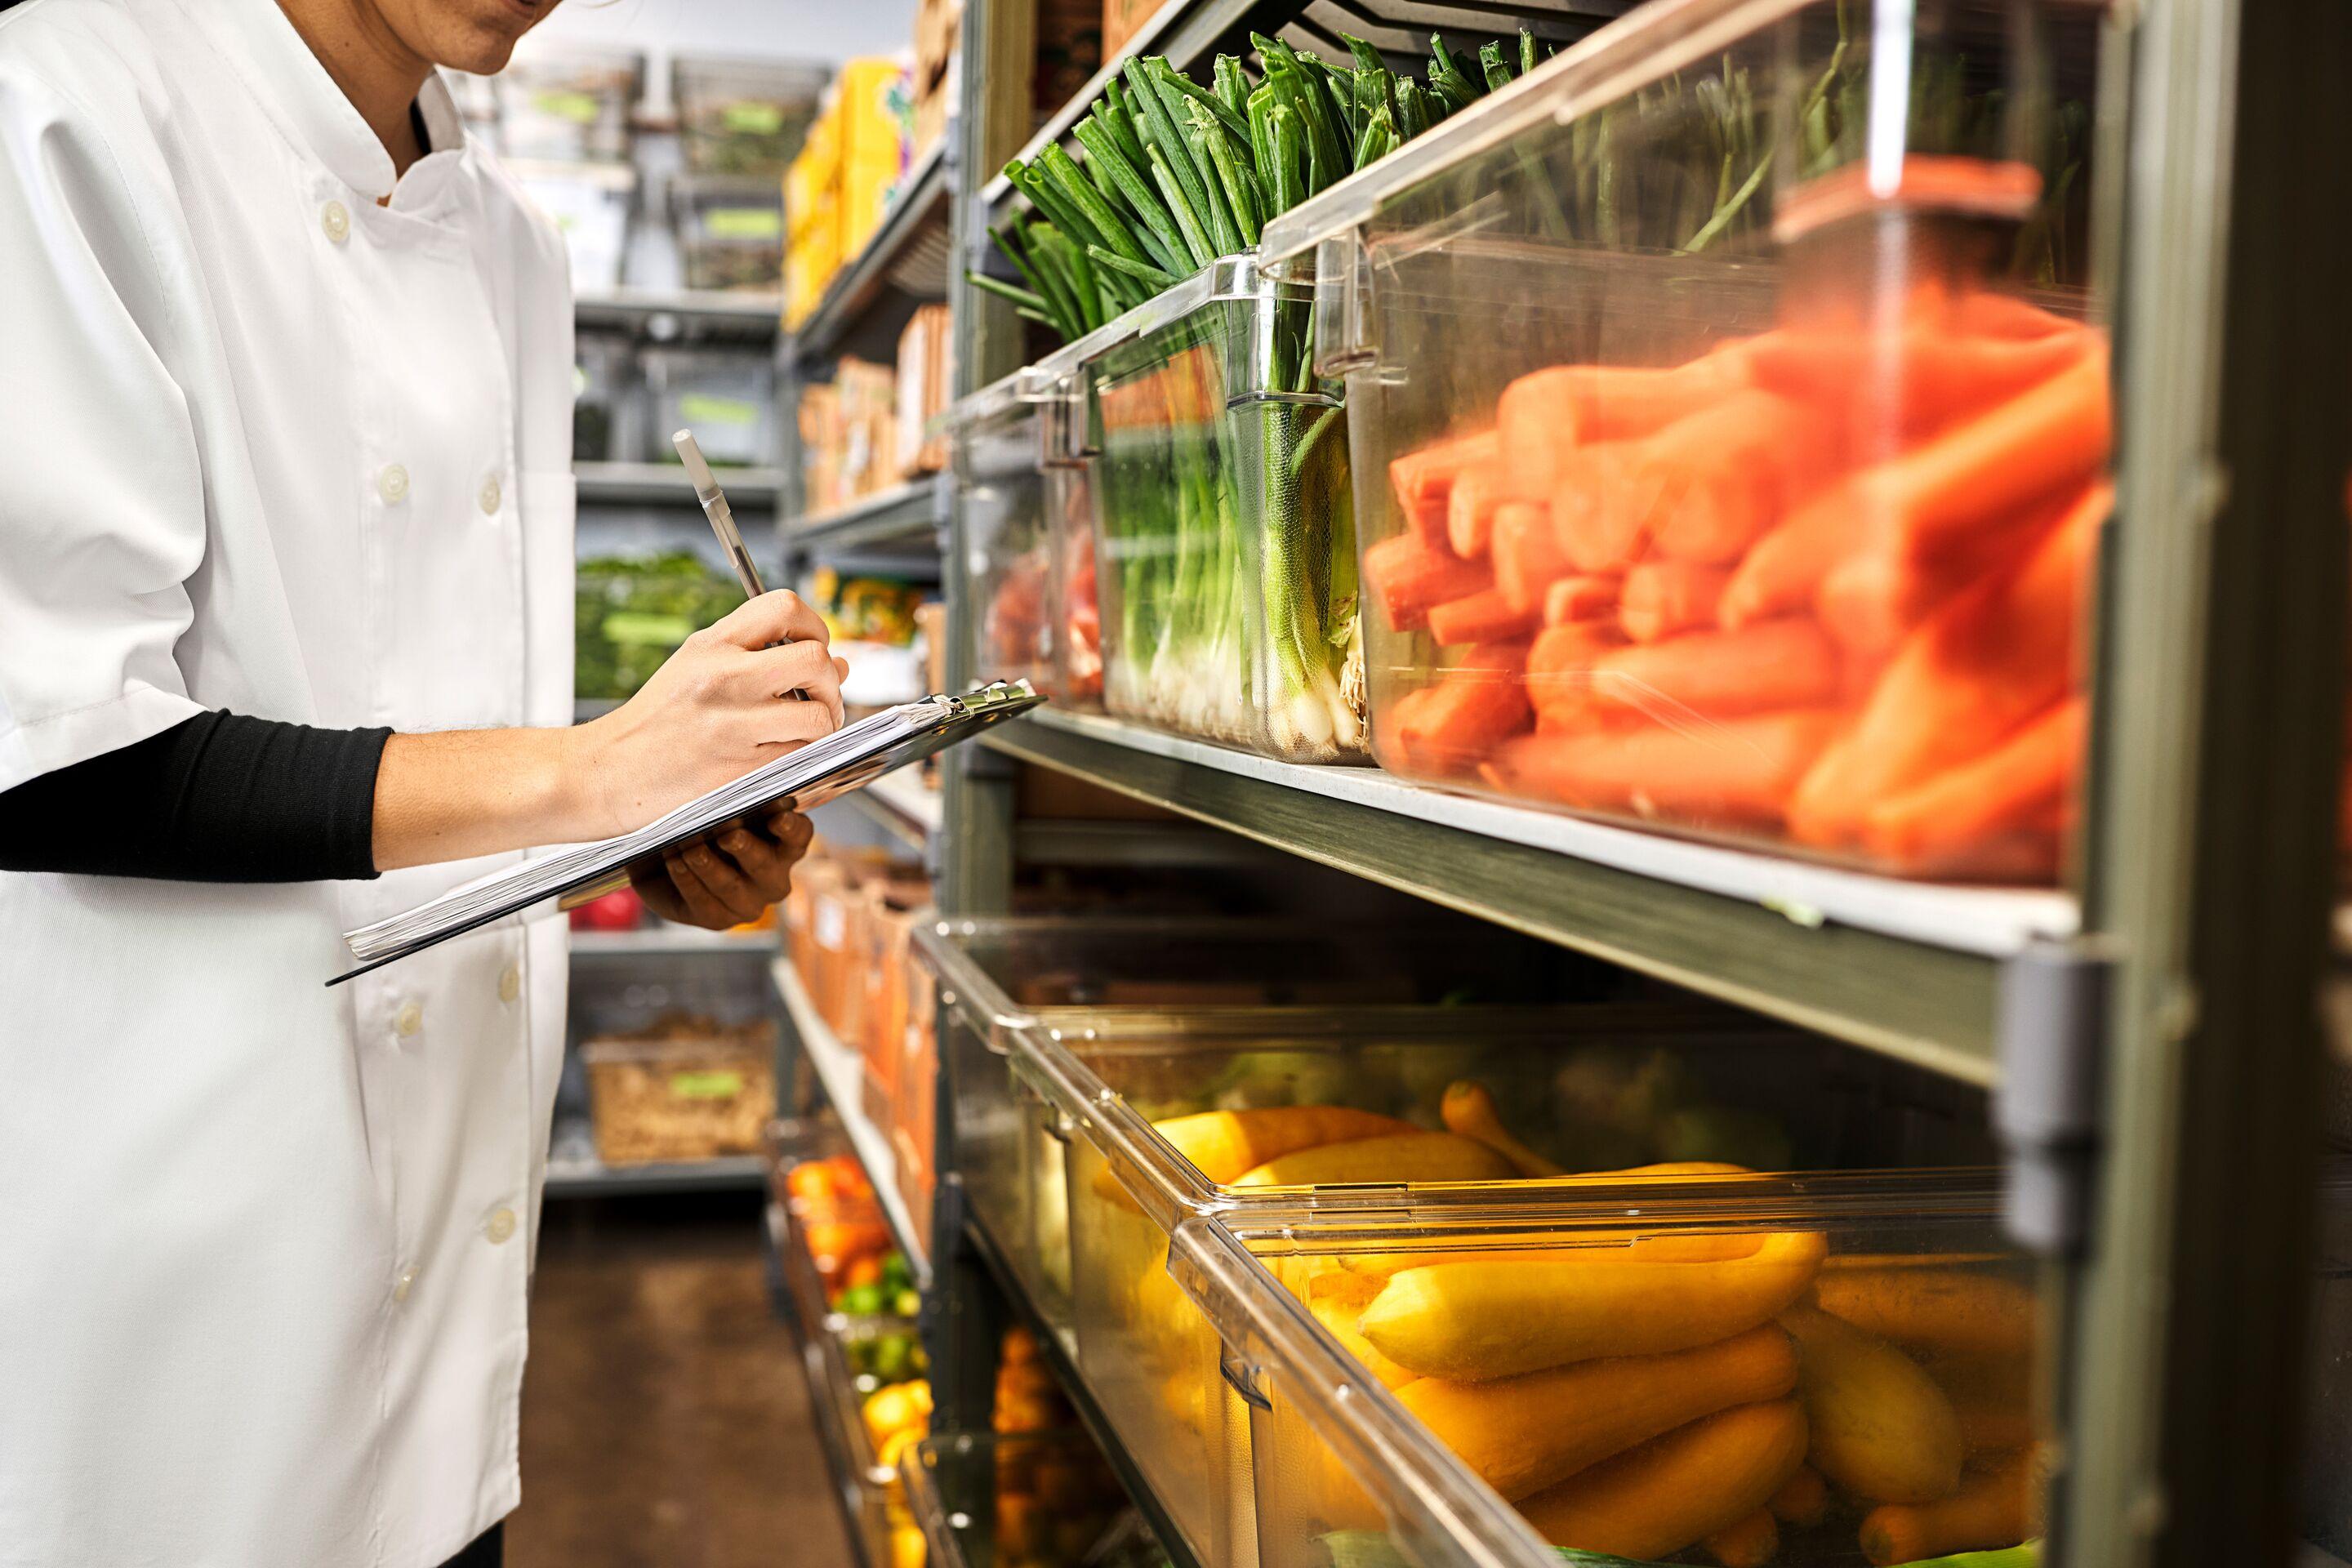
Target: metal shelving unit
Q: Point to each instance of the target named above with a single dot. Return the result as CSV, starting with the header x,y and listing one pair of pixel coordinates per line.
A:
x,y
2199,936
665,484
594,1179
904,515
672,941
662,314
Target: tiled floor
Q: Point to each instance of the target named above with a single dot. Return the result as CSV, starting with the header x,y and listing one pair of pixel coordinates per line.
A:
x,y
665,1420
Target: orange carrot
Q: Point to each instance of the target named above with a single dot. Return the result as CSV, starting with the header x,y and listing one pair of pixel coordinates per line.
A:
x,y
1718,674
1738,772
1803,1498
1662,598
2000,654
2006,316
1995,1507
1890,387
1426,519
1409,577
1872,599
1544,415
1449,727
1484,617
1527,555
1973,474
1937,824
1750,1542
1596,514
1560,671
1581,599
1429,473
1718,478
1470,511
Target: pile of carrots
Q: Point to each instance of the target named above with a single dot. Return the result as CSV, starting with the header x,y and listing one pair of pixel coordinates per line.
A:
x,y
1825,584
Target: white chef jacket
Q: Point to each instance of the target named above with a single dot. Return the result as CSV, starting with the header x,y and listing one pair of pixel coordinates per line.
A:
x,y
265,445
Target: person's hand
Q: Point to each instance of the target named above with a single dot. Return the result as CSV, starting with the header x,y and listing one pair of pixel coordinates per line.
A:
x,y
728,884
714,711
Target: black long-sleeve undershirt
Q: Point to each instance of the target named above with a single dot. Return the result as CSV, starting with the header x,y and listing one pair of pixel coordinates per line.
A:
x,y
221,797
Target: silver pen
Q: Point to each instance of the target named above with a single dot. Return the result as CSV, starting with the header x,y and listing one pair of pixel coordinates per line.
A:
x,y
723,521
715,508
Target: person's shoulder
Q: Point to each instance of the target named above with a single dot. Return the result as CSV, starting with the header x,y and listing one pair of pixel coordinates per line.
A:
x,y
95,64
535,239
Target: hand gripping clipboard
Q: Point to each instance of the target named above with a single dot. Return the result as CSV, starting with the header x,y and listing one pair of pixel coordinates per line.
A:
x,y
850,758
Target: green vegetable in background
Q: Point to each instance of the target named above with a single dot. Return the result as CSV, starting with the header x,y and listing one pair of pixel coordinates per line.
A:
x,y
630,614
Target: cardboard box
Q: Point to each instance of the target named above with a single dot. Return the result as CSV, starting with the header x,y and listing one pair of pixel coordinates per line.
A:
x,y
1069,52
1121,19
923,356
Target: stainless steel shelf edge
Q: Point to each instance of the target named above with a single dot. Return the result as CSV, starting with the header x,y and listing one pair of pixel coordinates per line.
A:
x,y
665,484
632,308
854,288
672,941
591,1179
901,806
843,1077
1090,1414
905,512
1908,971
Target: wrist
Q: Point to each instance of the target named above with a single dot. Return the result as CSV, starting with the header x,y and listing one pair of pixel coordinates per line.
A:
x,y
567,781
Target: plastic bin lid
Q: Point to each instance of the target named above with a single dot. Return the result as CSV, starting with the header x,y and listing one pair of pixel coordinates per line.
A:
x,y
1646,45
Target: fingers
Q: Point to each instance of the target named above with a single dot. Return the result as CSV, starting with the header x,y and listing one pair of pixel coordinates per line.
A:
x,y
764,863
789,725
799,667
791,828
716,893
775,617
660,894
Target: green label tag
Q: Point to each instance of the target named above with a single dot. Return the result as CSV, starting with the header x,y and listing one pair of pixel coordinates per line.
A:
x,y
753,119
580,108
641,628
744,223
707,1085
703,408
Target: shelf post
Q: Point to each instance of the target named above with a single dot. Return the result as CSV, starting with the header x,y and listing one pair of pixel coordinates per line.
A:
x,y
2211,855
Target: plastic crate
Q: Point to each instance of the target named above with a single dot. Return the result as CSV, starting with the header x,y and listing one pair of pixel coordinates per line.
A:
x,y
726,397
731,231
1733,443
743,117
686,1087
568,105
1677,1352
1041,1499
1225,545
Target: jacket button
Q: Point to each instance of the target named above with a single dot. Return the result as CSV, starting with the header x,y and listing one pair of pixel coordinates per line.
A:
x,y
336,219
402,1286
391,484
510,982
409,1020
501,1225
490,497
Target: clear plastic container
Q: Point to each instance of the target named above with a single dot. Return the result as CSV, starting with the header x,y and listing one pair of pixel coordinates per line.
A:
x,y
686,1087
568,105
603,370
743,117
726,397
1225,541
731,231
1068,1040
1024,450
1034,1499
1818,1370
1734,440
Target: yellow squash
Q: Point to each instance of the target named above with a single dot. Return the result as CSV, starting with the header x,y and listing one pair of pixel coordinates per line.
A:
x,y
1488,1319
1521,1435
1339,1317
1394,1157
1881,1430
1677,1488
1936,1312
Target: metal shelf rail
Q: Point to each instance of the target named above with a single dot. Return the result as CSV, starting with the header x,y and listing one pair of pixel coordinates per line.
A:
x,y
842,1076
594,1179
1908,969
905,513
665,484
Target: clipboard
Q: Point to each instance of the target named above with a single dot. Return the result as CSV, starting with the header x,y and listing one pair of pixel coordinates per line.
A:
x,y
850,758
